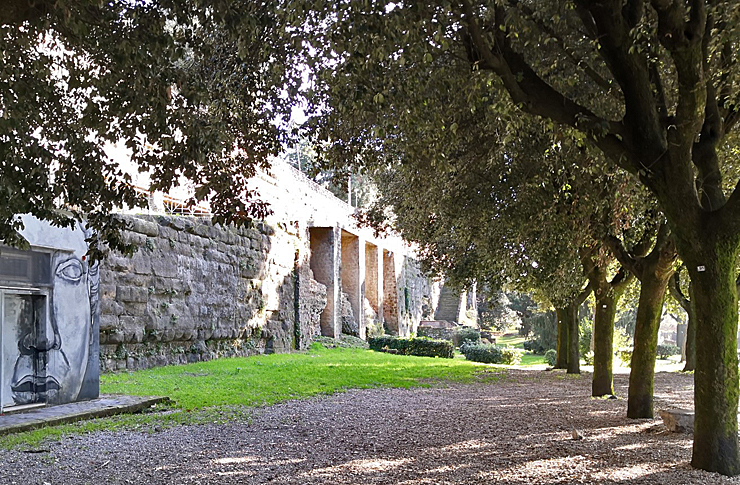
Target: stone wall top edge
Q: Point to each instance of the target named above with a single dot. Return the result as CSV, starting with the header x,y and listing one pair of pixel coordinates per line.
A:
x,y
187,223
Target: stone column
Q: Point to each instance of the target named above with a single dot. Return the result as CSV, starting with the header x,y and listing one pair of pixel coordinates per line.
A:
x,y
352,274
325,260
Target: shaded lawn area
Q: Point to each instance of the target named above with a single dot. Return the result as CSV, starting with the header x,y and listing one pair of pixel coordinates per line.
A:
x,y
511,340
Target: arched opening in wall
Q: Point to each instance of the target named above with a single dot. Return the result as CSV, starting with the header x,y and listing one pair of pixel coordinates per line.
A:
x,y
351,284
323,265
373,278
390,295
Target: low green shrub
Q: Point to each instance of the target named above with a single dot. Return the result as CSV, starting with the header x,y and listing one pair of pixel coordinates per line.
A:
x,y
419,346
625,355
488,354
465,334
511,356
533,346
491,354
666,350
588,357
551,356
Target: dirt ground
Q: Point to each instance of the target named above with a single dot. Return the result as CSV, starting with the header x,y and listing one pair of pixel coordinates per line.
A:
x,y
518,430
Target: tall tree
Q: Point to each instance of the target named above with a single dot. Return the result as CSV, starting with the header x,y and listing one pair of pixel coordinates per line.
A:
x,y
190,89
651,84
654,270
607,293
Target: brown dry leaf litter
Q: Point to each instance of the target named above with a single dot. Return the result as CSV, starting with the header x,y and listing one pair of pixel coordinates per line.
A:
x,y
515,431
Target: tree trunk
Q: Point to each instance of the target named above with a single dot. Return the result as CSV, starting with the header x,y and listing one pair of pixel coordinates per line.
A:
x,y
603,334
690,364
562,357
716,377
571,318
652,294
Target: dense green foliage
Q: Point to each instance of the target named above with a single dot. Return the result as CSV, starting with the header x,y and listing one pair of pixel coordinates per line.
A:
x,y
419,346
190,89
651,85
542,327
491,354
466,334
550,357
667,350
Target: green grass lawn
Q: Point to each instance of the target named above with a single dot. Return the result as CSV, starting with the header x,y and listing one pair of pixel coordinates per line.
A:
x,y
511,340
529,359
268,379
515,340
224,390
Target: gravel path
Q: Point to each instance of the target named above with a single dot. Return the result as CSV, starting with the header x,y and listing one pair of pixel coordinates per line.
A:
x,y
514,431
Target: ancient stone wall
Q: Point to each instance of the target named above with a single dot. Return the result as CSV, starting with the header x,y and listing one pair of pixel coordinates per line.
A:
x,y
195,291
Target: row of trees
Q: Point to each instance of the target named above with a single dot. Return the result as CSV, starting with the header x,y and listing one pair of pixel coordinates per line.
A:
x,y
541,140
564,147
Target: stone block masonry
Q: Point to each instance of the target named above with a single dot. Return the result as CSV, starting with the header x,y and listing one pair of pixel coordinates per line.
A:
x,y
194,291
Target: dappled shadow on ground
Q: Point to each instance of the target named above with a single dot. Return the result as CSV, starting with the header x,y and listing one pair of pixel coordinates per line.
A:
x,y
515,431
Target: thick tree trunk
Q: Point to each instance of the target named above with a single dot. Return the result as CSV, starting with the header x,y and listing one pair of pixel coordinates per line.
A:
x,y
716,377
571,317
607,294
606,308
562,357
649,310
690,364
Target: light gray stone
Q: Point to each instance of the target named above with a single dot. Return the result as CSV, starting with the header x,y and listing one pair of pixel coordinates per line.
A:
x,y
144,227
678,420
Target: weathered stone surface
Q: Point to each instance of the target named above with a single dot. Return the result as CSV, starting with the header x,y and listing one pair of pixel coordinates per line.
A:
x,y
678,420
195,291
349,323
144,227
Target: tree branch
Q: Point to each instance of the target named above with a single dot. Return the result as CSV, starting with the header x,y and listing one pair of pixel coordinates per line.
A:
x,y
683,40
675,288
633,12
539,98
544,27
584,293
623,256
621,279
630,70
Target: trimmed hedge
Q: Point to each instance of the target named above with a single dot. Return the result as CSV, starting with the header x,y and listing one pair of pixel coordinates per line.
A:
x,y
666,350
465,334
491,354
419,346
